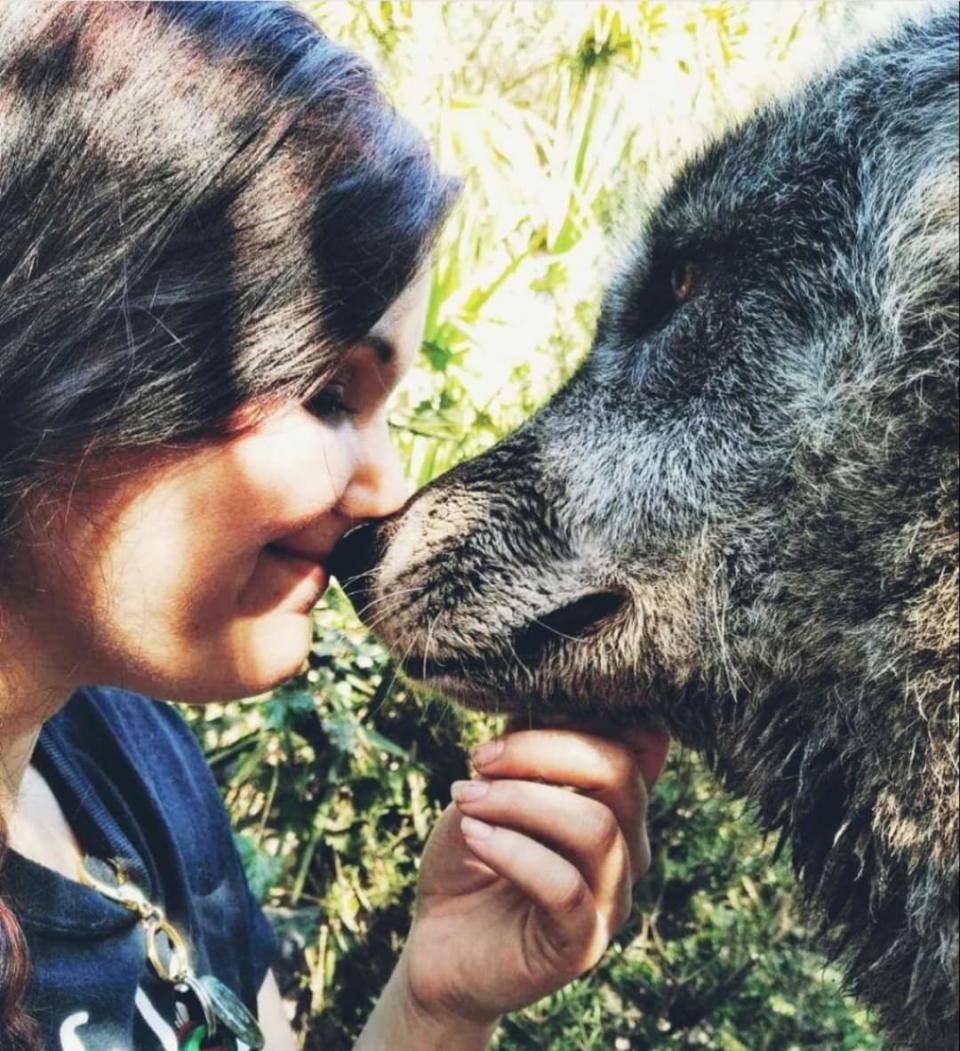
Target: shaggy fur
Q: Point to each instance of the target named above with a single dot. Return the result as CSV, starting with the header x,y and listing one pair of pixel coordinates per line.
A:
x,y
740,516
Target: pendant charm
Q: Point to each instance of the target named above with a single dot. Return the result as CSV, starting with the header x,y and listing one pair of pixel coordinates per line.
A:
x,y
225,1017
198,998
230,1011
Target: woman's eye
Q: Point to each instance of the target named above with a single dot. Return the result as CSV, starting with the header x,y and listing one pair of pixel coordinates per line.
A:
x,y
683,279
329,404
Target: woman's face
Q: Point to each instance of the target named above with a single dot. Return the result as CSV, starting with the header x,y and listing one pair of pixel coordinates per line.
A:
x,y
193,577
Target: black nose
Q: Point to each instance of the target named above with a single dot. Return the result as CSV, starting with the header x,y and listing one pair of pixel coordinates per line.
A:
x,y
354,559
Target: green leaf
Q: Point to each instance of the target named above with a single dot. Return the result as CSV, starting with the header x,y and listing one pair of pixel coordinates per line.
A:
x,y
438,356
263,870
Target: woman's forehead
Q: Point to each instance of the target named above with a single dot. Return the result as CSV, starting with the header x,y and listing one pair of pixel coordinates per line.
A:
x,y
399,331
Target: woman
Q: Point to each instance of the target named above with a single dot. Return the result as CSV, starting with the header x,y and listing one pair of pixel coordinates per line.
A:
x,y
214,235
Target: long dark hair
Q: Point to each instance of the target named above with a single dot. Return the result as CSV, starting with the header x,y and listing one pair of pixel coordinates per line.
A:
x,y
201,205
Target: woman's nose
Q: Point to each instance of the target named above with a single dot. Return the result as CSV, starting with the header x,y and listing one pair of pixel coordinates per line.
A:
x,y
378,486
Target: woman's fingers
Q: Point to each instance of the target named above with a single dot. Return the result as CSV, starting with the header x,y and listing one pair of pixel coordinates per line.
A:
x,y
574,940
650,745
610,771
580,828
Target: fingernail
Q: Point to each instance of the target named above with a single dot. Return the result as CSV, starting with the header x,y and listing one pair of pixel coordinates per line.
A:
x,y
474,829
465,791
485,754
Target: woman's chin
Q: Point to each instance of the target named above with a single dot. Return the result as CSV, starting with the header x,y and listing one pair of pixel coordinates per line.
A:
x,y
275,649
249,657
257,655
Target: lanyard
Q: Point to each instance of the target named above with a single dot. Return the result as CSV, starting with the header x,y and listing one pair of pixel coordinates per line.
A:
x,y
224,1015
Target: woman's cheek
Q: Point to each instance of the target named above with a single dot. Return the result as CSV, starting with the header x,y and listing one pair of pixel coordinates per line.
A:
x,y
289,473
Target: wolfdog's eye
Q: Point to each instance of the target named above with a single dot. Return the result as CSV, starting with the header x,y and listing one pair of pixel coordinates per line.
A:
x,y
683,280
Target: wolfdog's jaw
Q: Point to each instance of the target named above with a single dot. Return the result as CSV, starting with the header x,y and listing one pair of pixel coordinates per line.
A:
x,y
462,682
463,693
483,686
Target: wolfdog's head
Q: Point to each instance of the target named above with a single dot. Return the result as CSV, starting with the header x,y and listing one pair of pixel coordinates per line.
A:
x,y
743,486
740,516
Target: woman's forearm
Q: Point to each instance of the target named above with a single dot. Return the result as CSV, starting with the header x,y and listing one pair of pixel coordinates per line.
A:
x,y
399,1023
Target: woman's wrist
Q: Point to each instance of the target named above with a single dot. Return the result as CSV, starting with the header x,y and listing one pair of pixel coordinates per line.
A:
x,y
401,1022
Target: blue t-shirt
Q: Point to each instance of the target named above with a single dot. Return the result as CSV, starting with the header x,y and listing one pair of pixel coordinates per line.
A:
x,y
133,785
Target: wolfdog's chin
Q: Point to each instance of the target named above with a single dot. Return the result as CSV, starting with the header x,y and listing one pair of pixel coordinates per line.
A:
x,y
475,697
544,706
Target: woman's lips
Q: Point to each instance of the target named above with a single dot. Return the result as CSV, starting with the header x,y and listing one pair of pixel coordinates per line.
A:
x,y
283,580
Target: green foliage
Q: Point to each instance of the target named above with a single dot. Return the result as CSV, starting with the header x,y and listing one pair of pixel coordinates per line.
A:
x,y
557,116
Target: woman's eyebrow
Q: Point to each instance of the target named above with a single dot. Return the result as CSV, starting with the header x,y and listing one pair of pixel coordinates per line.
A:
x,y
386,351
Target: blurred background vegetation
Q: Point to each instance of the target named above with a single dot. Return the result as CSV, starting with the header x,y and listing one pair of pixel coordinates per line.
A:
x,y
562,119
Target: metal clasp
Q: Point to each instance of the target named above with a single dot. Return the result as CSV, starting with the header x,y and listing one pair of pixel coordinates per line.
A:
x,y
173,966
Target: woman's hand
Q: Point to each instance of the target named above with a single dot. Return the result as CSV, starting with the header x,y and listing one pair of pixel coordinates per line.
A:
x,y
523,883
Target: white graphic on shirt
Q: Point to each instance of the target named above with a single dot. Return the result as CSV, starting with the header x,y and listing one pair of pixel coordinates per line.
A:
x,y
70,1040
166,1035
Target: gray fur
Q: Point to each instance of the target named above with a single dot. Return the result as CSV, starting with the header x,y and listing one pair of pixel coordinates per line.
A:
x,y
767,473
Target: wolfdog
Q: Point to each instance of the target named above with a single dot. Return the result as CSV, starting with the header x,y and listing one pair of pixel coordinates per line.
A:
x,y
739,518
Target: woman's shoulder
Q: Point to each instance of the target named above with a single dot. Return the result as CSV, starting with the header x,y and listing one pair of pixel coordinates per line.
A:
x,y
128,714
141,765
134,779
107,725
129,717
